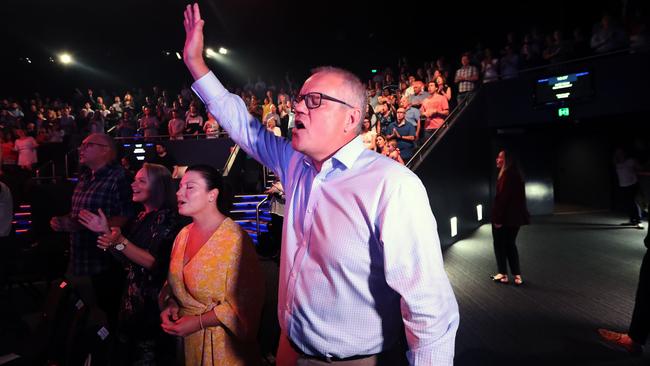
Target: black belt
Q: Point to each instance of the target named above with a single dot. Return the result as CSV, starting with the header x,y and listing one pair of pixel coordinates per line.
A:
x,y
325,358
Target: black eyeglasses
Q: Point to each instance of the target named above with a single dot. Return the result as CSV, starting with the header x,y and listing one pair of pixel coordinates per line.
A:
x,y
86,145
313,100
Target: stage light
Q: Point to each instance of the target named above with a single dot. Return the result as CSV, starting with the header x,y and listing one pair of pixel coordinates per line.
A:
x,y
209,52
223,51
65,58
479,212
178,56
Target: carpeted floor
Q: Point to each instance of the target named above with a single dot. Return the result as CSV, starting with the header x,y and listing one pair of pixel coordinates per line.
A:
x,y
580,273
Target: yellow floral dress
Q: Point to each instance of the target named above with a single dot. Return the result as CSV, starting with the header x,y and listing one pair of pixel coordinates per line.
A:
x,y
224,276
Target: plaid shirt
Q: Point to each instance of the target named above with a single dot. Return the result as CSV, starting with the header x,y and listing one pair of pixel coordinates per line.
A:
x,y
466,72
108,189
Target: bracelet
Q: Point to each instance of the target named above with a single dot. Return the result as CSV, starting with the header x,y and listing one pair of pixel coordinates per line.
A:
x,y
201,321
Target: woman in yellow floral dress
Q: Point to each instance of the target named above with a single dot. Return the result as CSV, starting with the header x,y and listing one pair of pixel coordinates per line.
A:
x,y
215,291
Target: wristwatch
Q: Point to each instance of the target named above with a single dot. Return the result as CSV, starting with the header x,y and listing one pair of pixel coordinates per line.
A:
x,y
121,245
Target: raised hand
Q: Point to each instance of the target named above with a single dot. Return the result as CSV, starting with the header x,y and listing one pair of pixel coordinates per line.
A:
x,y
193,49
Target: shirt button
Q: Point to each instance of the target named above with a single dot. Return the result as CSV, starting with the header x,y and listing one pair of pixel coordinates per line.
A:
x,y
293,274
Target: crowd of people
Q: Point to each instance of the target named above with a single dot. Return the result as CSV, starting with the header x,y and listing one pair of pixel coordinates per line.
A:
x,y
156,275
418,89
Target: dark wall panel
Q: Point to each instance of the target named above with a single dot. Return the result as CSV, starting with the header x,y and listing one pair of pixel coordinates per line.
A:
x,y
456,175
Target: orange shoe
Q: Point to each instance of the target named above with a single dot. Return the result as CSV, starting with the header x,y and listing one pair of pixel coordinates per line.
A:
x,y
620,339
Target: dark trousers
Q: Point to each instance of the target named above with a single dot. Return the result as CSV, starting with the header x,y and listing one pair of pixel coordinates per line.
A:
x,y
640,324
629,200
108,287
506,248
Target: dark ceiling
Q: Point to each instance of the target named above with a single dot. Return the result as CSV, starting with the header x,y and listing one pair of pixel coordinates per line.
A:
x,y
120,39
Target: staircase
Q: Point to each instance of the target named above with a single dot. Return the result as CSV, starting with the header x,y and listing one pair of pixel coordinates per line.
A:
x,y
22,222
244,212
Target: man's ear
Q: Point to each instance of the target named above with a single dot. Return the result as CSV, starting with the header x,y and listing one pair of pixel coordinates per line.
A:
x,y
354,119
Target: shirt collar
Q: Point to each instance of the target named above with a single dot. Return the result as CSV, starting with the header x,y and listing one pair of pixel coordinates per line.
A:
x,y
346,155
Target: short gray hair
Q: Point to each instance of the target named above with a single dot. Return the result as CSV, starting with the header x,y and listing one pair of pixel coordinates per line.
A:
x,y
354,89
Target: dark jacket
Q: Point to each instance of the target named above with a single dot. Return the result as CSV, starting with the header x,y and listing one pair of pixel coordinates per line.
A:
x,y
509,207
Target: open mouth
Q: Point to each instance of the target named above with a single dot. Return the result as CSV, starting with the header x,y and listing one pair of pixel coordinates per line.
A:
x,y
300,125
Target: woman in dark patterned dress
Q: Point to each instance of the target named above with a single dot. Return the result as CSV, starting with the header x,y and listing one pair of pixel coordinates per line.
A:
x,y
144,247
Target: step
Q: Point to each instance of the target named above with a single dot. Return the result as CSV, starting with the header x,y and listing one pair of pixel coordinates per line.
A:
x,y
254,204
248,197
263,217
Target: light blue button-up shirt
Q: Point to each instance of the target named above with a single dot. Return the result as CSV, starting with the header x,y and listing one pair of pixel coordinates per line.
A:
x,y
360,251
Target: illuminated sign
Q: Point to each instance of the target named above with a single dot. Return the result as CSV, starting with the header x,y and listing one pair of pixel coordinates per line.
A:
x,y
563,88
563,112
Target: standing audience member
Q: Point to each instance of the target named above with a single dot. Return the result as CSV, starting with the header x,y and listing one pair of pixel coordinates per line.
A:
x,y
466,78
211,127
104,186
359,234
404,133
193,121
9,154
26,148
214,293
6,212
176,126
368,135
271,126
434,109
509,213
144,246
626,171
489,67
639,329
149,123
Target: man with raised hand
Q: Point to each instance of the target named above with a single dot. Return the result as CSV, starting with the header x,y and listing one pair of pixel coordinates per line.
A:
x,y
361,264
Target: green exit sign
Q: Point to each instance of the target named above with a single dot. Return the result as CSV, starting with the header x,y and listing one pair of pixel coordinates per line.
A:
x,y
374,71
563,112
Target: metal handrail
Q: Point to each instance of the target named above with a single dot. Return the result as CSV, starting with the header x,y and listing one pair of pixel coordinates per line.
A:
x,y
257,215
67,164
417,158
168,137
428,145
231,160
